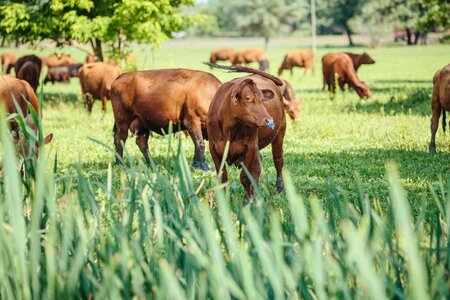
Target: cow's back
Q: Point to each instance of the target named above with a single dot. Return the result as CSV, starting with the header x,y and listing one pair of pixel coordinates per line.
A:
x,y
15,89
96,78
441,85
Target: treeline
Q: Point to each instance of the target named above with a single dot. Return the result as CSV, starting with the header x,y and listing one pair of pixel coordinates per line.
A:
x,y
268,18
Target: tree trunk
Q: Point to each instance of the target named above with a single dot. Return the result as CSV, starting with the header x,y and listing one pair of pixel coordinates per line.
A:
x,y
266,43
416,37
349,35
408,36
97,48
3,41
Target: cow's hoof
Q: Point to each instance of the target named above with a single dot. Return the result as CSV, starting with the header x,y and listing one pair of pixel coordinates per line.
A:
x,y
200,165
280,184
432,150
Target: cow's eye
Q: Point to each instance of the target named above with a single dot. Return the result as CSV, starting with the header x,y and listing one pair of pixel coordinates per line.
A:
x,y
249,99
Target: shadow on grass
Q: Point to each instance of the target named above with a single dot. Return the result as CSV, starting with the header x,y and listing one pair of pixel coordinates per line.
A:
x,y
404,81
54,98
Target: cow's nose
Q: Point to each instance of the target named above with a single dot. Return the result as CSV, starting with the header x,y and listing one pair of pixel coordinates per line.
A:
x,y
270,124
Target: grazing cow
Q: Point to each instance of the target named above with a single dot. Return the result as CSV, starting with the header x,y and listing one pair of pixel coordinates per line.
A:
x,y
360,59
147,101
222,54
19,90
7,60
62,73
90,58
96,80
298,58
57,60
28,68
248,113
290,101
341,66
247,56
440,102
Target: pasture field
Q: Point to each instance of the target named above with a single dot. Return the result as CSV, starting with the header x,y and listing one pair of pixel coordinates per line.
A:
x,y
167,231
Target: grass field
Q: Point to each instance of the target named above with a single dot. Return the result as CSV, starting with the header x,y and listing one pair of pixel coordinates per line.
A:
x,y
337,152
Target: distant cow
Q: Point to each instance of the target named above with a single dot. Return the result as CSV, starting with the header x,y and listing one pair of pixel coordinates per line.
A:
x,y
96,80
298,58
147,101
7,60
28,68
222,54
12,88
248,113
249,55
440,102
290,101
90,58
340,66
57,60
62,74
264,65
360,59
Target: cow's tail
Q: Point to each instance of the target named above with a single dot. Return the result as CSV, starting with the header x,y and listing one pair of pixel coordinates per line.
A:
x,y
444,121
240,69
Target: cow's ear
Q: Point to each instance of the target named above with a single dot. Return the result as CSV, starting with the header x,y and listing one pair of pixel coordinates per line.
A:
x,y
48,138
268,94
235,95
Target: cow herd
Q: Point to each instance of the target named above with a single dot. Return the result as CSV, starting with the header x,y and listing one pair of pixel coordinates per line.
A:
x,y
239,117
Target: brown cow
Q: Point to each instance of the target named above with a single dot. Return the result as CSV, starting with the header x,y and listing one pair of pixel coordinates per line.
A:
x,y
298,58
290,101
7,60
341,66
62,73
249,55
440,102
12,88
96,80
248,113
147,101
57,60
222,54
90,58
360,59
28,68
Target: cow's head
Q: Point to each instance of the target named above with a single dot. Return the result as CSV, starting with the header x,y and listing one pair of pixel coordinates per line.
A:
x,y
20,141
248,107
363,90
366,59
290,101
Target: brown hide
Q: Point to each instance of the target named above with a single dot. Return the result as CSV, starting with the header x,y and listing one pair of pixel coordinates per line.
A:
x,y
247,56
12,88
62,73
90,58
341,65
7,60
96,80
360,59
298,58
440,102
290,101
57,60
235,115
222,54
147,101
28,68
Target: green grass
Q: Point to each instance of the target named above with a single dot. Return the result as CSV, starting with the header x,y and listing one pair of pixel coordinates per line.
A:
x,y
113,231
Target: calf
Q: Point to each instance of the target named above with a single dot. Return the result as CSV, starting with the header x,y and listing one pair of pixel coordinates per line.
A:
x,y
96,80
7,60
360,59
440,102
13,89
28,68
298,58
147,101
290,101
222,54
341,66
62,73
248,114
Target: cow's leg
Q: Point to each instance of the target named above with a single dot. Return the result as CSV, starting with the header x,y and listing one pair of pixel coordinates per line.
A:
x,y
292,72
120,137
195,131
252,163
104,104
278,159
89,101
436,109
142,142
217,161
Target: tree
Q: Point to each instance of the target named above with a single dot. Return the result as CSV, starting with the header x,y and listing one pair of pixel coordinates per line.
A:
x,y
264,17
98,22
339,13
